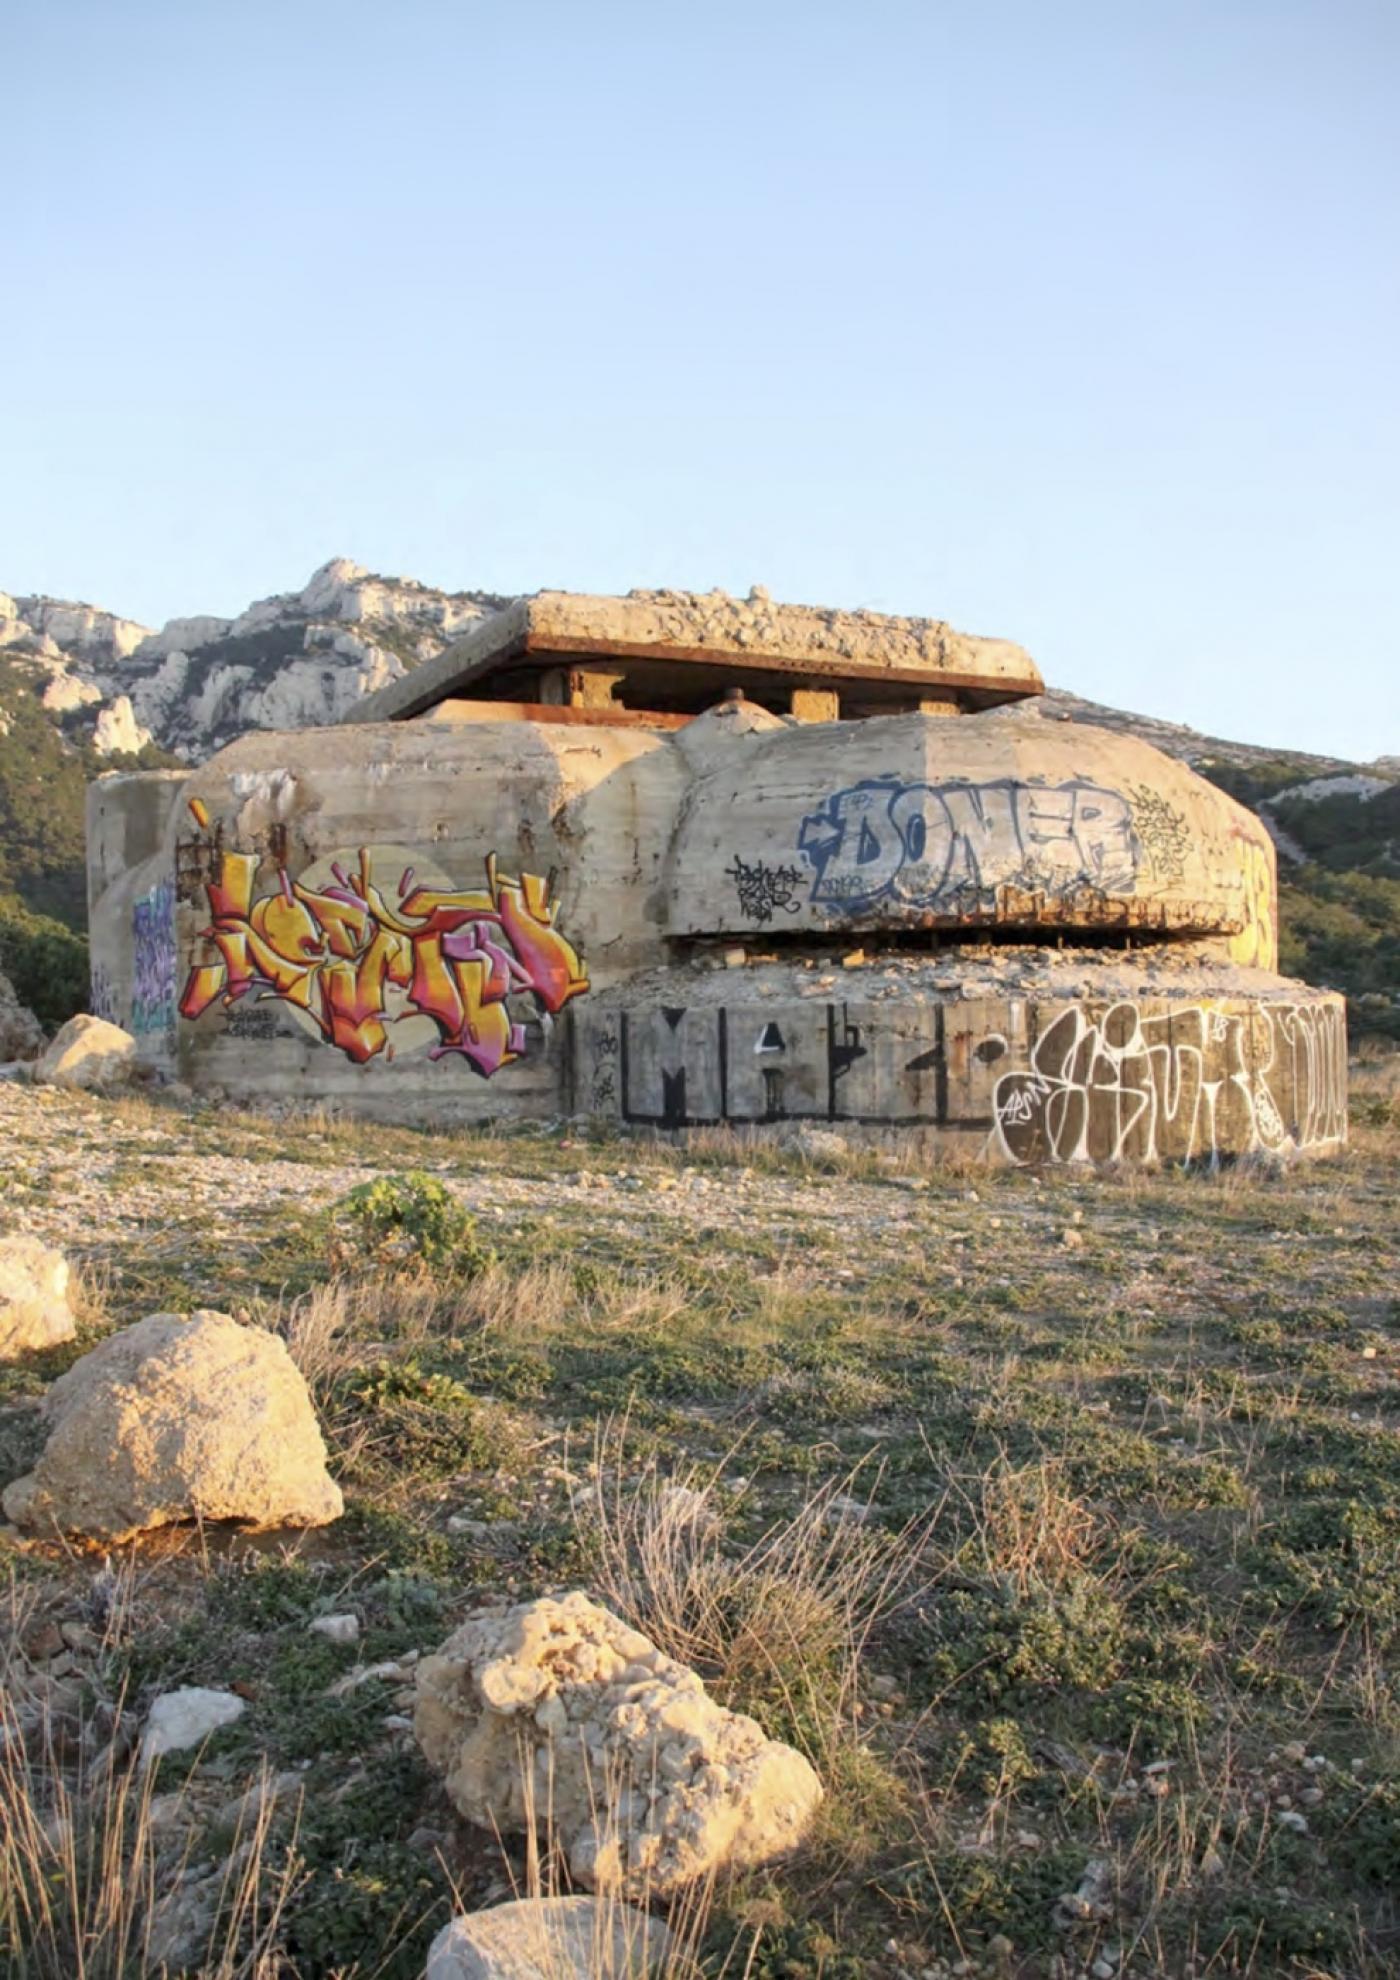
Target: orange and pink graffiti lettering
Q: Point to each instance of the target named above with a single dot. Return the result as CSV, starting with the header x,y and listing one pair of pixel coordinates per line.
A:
x,y
355,963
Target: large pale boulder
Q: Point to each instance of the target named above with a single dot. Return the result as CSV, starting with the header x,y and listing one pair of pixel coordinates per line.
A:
x,y
34,1309
561,1938
556,1711
173,1419
21,1034
88,1052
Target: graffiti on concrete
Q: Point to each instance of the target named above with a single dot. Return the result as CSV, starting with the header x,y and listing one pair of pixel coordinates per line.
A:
x,y
1162,832
1256,945
1191,1082
951,846
355,963
154,963
103,995
1188,1084
765,890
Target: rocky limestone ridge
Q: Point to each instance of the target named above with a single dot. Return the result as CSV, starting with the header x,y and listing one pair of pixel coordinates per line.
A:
x,y
303,658
1176,739
294,660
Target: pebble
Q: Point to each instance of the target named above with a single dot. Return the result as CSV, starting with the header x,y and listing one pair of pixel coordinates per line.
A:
x,y
336,1629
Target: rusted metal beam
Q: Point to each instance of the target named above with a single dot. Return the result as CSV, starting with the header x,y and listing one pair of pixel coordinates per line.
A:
x,y
737,659
461,708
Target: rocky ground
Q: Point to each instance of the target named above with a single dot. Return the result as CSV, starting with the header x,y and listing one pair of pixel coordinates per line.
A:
x,y
1054,1518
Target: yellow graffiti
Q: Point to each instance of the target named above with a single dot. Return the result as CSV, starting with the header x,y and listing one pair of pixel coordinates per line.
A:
x,y
335,952
1256,945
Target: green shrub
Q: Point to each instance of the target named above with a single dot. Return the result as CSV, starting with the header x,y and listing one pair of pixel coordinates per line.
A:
x,y
414,1219
46,962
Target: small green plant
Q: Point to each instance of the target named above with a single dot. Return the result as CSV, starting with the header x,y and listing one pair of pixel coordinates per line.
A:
x,y
415,1219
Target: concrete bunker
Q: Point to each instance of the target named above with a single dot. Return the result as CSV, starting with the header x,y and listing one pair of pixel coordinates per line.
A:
x,y
679,860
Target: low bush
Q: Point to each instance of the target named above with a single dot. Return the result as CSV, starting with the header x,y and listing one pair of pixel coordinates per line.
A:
x,y
413,1219
46,962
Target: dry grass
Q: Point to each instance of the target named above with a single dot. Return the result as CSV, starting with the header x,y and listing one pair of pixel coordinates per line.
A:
x,y
90,1885
623,1939
1026,1529
336,1326
783,1620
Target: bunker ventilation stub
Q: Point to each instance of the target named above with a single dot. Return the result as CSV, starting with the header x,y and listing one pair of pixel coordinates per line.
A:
x,y
675,891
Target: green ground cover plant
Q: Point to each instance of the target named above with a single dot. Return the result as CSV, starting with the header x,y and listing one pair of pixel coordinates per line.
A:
x,y
1075,1568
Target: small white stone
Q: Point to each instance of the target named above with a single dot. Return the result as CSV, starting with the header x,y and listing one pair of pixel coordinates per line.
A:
x,y
336,1629
184,1718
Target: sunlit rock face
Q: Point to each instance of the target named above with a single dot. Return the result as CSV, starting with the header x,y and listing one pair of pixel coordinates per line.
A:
x,y
298,659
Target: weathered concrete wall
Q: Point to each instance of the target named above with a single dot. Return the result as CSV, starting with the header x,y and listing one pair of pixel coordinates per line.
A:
x,y
455,920
911,822
1189,1076
394,917
131,905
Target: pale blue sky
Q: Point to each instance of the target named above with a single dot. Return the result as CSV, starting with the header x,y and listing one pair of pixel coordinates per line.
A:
x,y
1073,323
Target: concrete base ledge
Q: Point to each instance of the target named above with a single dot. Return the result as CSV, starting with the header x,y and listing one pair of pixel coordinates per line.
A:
x,y
1022,1079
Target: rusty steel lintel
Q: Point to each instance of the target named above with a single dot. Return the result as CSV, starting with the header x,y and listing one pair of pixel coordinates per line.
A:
x,y
462,708
995,688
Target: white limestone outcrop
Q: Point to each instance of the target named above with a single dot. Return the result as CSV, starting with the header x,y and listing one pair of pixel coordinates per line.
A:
x,y
298,659
117,731
34,1309
178,1418
647,1782
88,1053
187,1717
556,1938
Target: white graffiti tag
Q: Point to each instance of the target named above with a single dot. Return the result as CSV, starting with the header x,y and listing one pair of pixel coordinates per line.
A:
x,y
1180,1085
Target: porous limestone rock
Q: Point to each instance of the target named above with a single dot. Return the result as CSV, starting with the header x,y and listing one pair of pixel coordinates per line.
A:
x,y
645,1780
560,1938
88,1052
34,1309
183,1718
21,1034
175,1419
